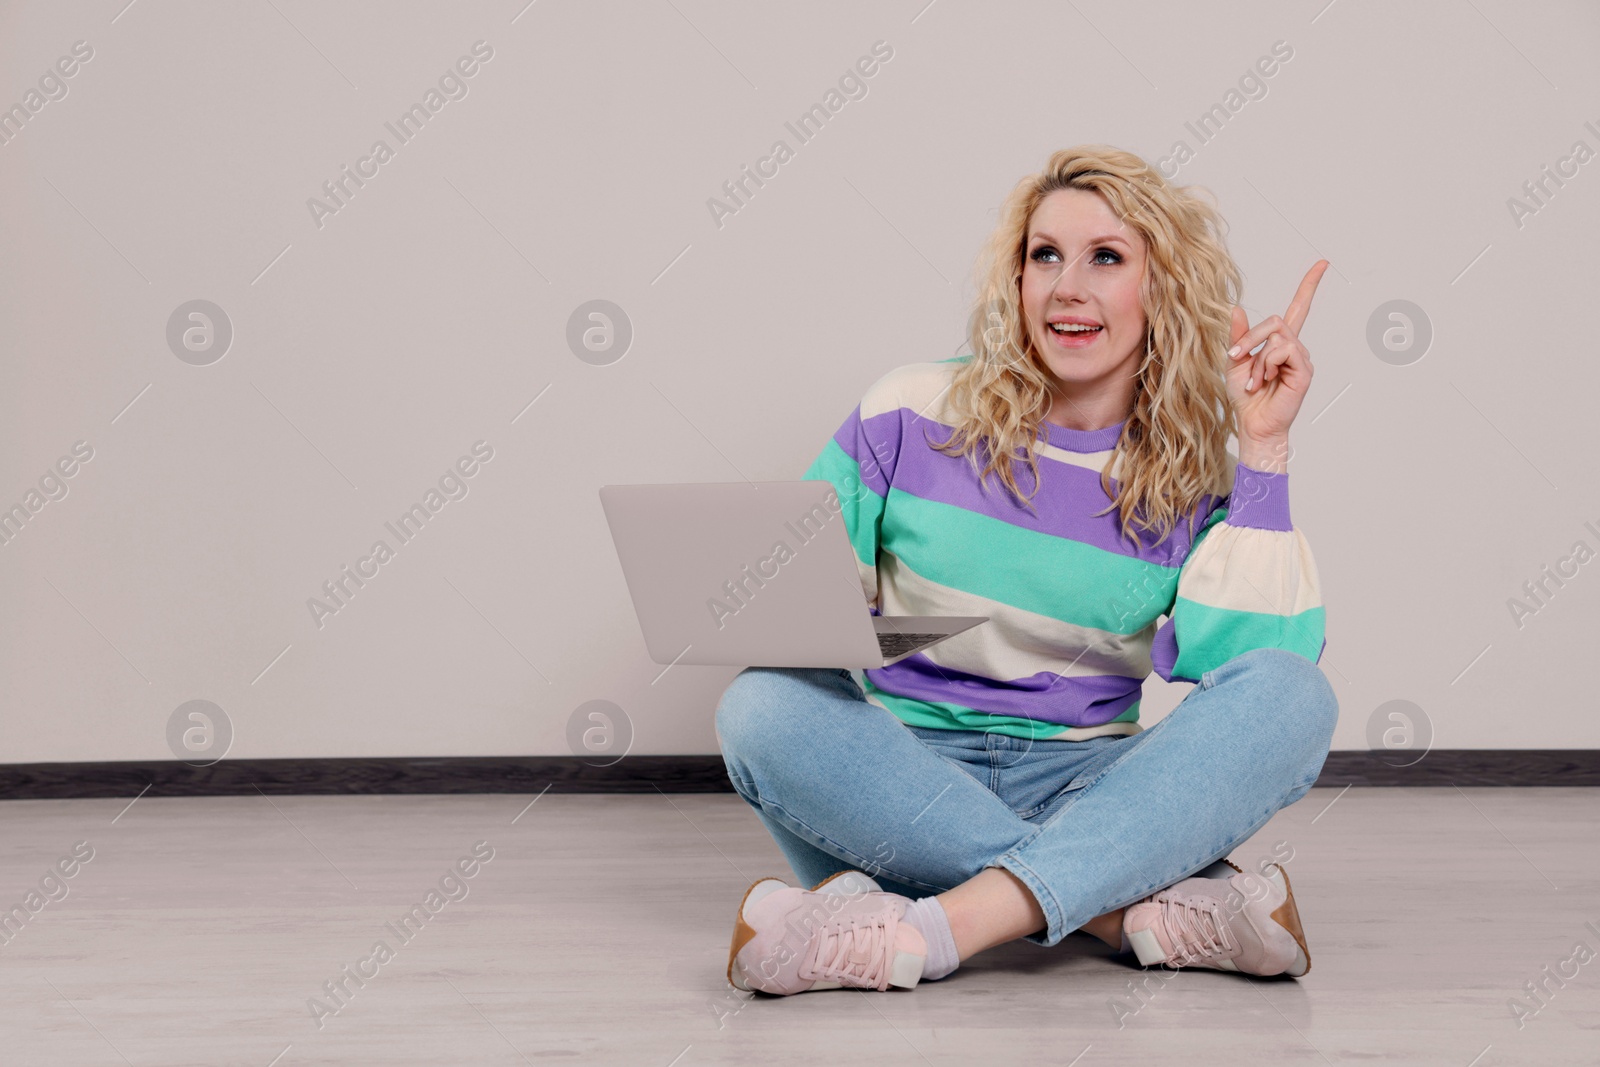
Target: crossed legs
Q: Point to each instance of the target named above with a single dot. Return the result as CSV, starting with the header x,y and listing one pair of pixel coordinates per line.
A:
x,y
841,783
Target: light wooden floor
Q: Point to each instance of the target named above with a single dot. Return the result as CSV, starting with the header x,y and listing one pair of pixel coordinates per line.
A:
x,y
598,933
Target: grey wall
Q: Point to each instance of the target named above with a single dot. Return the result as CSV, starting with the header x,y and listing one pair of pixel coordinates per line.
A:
x,y
373,347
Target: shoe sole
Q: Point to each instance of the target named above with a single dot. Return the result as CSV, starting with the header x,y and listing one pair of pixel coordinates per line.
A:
x,y
1287,915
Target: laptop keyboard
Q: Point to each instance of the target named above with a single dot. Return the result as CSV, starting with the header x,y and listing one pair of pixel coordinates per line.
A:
x,y
892,645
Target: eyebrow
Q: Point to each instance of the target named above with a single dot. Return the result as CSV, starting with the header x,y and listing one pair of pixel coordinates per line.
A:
x,y
1102,239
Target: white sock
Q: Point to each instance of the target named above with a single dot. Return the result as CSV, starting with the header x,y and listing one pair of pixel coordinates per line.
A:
x,y
929,917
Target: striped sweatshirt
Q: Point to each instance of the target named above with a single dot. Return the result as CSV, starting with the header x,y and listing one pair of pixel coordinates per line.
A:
x,y
1073,606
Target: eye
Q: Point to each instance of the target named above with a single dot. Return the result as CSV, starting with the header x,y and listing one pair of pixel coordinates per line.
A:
x,y
1038,255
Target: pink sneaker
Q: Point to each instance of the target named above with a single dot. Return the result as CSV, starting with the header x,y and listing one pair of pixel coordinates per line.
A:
x,y
1246,922
844,933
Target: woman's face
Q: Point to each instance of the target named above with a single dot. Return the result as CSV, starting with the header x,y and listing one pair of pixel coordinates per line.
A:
x,y
1082,264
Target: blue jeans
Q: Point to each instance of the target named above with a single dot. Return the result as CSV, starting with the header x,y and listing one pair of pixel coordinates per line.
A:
x,y
1088,826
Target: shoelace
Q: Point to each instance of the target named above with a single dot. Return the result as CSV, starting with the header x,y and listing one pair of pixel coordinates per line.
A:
x,y
853,952
1197,931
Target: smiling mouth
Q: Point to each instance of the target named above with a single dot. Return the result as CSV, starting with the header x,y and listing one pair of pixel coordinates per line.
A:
x,y
1075,336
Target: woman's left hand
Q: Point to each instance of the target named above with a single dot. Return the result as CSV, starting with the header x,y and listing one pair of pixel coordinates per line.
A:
x,y
1267,388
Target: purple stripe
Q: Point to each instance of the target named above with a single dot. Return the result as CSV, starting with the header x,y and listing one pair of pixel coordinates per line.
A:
x,y
1164,653
1046,697
1066,509
1084,440
872,444
1260,500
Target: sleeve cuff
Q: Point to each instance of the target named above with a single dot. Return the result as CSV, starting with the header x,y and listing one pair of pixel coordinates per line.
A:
x,y
1260,500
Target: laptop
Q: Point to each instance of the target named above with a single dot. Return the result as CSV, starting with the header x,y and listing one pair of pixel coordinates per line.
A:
x,y
755,574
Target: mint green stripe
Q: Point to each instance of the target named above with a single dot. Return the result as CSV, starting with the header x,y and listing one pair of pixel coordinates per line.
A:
x,y
939,715
1208,637
861,507
1053,576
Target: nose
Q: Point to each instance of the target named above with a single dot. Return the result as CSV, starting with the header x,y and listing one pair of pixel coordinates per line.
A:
x,y
1071,284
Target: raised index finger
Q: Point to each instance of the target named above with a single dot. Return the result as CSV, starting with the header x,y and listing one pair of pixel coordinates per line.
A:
x,y
1300,306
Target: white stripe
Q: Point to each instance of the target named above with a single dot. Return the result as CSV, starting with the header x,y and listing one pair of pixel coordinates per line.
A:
x,y
922,387
1246,569
1014,643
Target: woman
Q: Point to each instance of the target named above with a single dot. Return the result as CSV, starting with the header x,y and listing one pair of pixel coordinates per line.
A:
x,y
998,784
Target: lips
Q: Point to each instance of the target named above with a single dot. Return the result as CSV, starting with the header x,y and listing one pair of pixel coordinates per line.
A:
x,y
1076,338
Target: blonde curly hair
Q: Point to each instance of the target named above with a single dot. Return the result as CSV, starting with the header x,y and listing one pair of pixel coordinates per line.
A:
x,y
1173,448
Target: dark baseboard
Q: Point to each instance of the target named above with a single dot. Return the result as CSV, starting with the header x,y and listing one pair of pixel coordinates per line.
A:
x,y
666,774
366,775
1464,766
